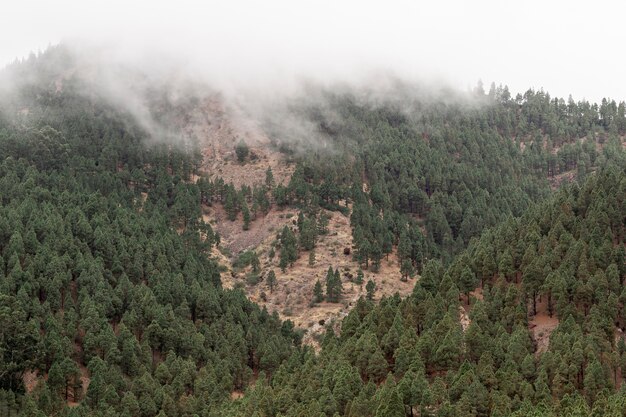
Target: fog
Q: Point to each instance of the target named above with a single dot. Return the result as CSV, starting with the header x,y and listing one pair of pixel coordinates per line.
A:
x,y
271,46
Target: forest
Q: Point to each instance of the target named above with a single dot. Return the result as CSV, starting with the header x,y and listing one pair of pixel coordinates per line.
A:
x,y
502,210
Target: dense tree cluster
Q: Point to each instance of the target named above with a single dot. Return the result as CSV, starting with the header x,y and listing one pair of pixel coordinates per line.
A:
x,y
109,298
105,273
413,357
428,172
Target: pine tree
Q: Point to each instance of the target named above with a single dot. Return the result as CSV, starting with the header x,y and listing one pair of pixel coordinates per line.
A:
x,y
269,178
334,288
370,287
246,216
467,282
322,223
318,292
231,203
283,263
271,280
288,250
56,379
406,269
376,254
242,151
308,234
359,277
390,404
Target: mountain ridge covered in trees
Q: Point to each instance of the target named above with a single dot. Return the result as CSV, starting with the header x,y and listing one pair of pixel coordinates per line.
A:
x,y
97,283
412,357
109,295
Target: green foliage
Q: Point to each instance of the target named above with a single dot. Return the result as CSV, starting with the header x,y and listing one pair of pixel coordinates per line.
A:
x,y
431,178
248,258
242,151
97,278
246,217
271,280
288,248
308,234
269,178
334,287
20,342
370,287
104,266
359,277
412,354
318,292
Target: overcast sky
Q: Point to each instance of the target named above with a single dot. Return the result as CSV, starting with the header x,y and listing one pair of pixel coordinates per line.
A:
x,y
575,47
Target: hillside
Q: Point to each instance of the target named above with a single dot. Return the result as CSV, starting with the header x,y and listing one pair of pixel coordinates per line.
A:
x,y
509,165
217,128
166,251
102,304
564,259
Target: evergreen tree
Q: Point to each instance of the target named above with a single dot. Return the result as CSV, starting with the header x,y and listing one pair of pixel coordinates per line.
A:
x,y
271,280
334,287
288,250
242,151
359,277
370,287
246,216
318,292
269,178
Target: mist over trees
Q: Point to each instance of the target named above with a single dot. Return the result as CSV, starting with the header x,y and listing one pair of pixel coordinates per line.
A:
x,y
449,164
95,281
501,209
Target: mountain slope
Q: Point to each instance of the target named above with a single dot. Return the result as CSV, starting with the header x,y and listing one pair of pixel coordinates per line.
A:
x,y
413,357
122,199
102,304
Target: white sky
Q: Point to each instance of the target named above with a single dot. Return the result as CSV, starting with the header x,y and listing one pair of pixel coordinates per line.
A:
x,y
565,47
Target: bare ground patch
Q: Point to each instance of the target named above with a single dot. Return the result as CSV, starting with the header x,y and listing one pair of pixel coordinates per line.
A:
x,y
542,326
30,379
293,293
218,130
232,235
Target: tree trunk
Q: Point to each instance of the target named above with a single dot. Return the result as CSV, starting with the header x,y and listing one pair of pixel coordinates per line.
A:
x,y
550,304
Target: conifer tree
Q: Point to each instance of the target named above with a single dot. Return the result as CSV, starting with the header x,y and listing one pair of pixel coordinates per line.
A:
x,y
318,292
246,216
359,277
271,280
269,178
288,250
370,287
334,288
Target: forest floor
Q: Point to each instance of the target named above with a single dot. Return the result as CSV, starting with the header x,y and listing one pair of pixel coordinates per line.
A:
x,y
464,308
565,177
542,326
233,239
30,379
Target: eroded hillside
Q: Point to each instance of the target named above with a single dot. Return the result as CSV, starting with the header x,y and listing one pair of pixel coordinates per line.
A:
x,y
218,130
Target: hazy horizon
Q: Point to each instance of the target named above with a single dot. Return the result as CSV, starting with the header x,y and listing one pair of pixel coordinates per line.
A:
x,y
562,48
